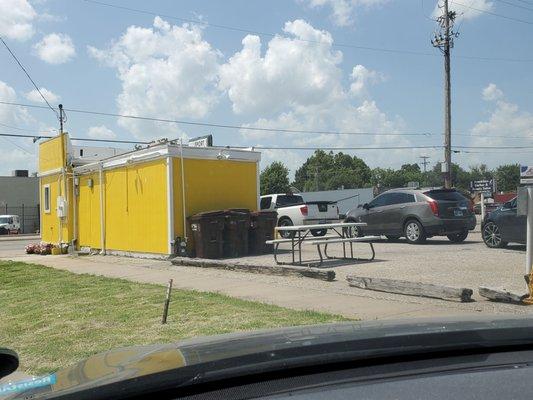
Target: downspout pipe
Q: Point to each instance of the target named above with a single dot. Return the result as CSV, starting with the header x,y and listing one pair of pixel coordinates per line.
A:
x,y
102,211
184,208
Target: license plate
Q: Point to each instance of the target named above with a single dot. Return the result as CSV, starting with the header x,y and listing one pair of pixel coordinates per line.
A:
x,y
458,213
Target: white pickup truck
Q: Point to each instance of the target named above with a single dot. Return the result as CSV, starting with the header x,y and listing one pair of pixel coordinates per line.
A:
x,y
9,224
292,210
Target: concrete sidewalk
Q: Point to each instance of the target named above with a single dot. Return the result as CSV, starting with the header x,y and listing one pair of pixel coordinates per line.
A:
x,y
292,292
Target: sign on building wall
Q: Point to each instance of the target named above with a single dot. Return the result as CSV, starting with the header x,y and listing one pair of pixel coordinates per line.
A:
x,y
526,174
201,141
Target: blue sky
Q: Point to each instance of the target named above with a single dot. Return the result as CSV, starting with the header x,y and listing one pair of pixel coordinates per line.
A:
x,y
93,57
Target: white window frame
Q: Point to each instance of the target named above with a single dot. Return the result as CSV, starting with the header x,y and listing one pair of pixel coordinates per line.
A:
x,y
46,188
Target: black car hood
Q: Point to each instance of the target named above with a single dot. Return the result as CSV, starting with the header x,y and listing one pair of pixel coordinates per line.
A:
x,y
139,369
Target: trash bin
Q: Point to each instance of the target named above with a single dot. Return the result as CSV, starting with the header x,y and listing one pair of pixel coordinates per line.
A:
x,y
208,229
262,224
236,233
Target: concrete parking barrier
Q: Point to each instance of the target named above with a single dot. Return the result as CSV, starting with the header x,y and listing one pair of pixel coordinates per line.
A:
x,y
411,288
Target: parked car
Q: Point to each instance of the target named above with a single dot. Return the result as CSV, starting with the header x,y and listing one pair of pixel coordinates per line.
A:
x,y
503,225
292,210
9,224
416,214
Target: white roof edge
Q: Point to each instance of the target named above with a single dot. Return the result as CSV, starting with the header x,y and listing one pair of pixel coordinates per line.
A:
x,y
169,150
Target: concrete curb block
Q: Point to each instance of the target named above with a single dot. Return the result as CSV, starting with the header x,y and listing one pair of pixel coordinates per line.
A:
x,y
501,295
282,270
411,288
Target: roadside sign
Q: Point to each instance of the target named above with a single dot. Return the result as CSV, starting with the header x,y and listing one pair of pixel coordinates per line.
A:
x,y
201,141
526,174
521,201
484,186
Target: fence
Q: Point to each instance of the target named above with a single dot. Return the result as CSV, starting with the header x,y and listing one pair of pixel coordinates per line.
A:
x,y
29,216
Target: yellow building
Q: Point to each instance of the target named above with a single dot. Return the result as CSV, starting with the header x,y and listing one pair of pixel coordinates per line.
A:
x,y
138,202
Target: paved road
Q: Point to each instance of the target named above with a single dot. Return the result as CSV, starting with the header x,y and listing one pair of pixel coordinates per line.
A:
x,y
12,248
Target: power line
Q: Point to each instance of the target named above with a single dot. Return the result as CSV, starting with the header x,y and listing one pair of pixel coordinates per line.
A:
x,y
494,14
29,77
25,129
4,135
259,147
270,34
515,5
224,126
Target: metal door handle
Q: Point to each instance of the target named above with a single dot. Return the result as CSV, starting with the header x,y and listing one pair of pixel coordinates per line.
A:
x,y
379,210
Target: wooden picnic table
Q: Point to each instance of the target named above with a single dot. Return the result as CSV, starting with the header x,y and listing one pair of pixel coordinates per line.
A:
x,y
301,236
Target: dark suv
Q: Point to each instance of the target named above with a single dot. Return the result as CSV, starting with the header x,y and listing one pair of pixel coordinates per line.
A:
x,y
416,214
504,225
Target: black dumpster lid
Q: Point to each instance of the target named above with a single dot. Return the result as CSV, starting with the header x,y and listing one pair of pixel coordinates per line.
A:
x,y
209,214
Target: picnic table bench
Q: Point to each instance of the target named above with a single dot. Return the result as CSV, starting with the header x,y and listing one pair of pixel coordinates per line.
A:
x,y
301,236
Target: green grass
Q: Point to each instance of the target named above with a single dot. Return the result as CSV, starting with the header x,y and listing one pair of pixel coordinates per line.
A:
x,y
55,318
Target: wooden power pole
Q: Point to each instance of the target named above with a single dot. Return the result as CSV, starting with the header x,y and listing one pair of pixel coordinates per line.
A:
x,y
444,41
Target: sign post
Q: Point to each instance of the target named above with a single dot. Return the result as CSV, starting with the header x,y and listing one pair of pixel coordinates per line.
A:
x,y
526,177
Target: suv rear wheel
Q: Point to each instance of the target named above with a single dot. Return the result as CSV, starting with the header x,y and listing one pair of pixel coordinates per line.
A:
x,y
458,237
414,232
492,236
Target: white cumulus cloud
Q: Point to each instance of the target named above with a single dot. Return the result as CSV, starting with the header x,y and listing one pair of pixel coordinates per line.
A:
x,y
505,122
491,93
291,72
465,10
101,132
14,153
343,10
56,48
34,96
166,71
16,19
362,78
298,85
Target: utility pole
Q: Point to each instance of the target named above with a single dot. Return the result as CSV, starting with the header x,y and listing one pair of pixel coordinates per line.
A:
x,y
444,41
61,118
425,162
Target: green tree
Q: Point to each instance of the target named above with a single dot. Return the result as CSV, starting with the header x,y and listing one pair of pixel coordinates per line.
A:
x,y
274,179
507,177
329,171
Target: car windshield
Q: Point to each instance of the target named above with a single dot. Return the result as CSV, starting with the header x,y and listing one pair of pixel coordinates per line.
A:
x,y
171,170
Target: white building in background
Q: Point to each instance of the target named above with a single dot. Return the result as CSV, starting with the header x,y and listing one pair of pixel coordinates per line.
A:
x,y
346,199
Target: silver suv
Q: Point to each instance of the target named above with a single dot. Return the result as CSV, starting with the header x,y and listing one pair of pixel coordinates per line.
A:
x,y
416,214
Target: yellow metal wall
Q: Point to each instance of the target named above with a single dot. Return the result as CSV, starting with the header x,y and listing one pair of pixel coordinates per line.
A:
x,y
213,185
50,223
52,153
136,208
88,212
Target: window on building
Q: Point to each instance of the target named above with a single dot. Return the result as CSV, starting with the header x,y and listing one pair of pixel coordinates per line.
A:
x,y
46,198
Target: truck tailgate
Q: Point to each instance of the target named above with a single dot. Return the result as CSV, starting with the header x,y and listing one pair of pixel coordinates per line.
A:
x,y
322,210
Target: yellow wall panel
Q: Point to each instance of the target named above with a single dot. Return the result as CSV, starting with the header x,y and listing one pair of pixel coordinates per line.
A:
x,y
52,153
88,212
50,223
213,185
136,208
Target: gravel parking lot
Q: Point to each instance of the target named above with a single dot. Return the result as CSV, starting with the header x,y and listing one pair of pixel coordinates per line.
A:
x,y
470,264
